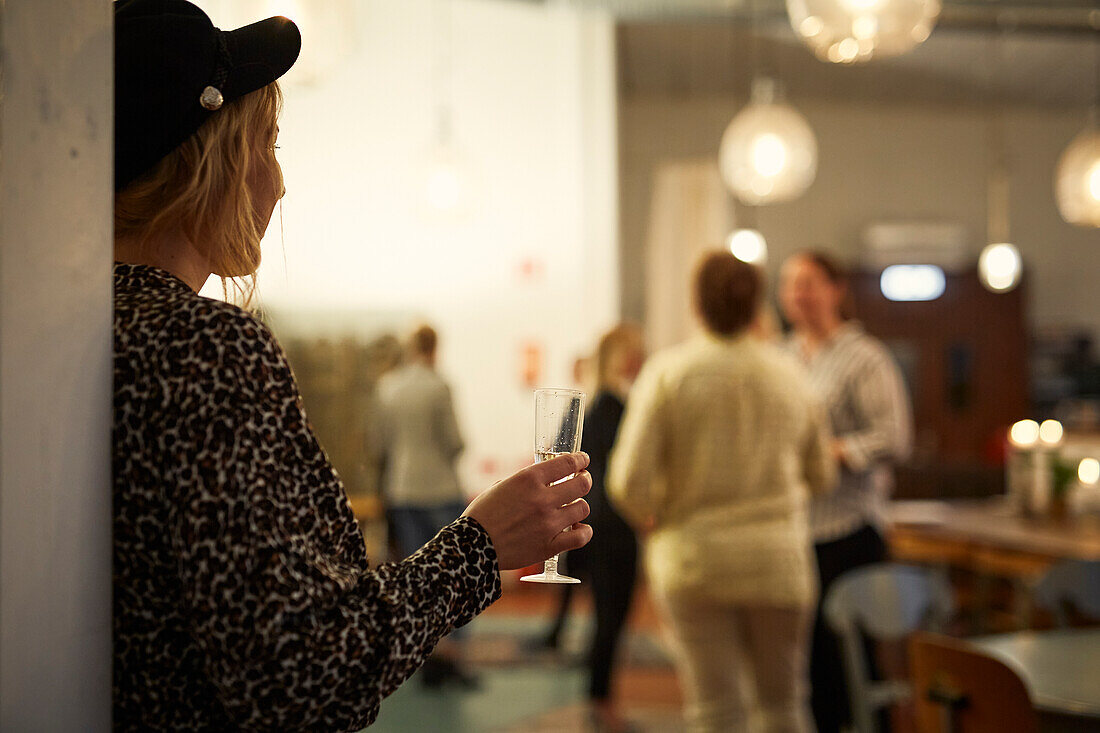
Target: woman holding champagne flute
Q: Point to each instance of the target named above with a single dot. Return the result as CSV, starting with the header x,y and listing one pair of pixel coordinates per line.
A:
x,y
243,598
720,447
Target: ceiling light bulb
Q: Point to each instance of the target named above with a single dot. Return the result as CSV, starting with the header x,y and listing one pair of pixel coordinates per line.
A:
x,y
768,152
1024,433
1077,180
748,245
1088,471
886,27
1050,432
865,26
769,155
811,26
1000,267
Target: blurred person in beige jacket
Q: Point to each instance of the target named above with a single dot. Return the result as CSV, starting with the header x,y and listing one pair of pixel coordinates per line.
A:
x,y
720,448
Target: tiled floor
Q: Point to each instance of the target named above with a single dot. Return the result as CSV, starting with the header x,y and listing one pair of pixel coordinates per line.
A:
x,y
540,692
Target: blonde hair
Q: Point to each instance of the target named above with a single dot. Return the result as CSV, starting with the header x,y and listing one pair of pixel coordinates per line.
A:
x,y
611,349
201,188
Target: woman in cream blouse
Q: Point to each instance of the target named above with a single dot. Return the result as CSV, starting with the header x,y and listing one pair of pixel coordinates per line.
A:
x,y
721,445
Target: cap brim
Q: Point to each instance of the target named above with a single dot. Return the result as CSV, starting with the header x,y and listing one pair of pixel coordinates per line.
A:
x,y
261,52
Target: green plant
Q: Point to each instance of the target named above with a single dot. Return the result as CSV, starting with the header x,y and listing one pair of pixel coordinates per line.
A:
x,y
1063,475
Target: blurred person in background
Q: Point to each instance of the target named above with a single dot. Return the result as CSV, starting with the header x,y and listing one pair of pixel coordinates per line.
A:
x,y
419,443
242,595
612,556
869,413
720,448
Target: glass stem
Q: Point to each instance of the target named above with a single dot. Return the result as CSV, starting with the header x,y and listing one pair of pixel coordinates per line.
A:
x,y
550,567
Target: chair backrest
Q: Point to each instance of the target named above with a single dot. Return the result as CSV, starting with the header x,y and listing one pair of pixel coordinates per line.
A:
x,y
957,689
887,602
1073,583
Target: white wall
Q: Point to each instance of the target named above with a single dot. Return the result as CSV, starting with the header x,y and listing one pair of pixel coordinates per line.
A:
x,y
886,163
55,366
534,119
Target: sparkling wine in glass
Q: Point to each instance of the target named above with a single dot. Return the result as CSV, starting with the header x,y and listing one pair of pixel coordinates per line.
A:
x,y
559,417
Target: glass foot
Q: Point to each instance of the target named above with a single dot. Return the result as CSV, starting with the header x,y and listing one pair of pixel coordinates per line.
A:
x,y
549,578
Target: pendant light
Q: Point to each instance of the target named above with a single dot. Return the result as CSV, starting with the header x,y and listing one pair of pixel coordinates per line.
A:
x,y
1077,177
447,179
747,243
768,152
1000,266
852,31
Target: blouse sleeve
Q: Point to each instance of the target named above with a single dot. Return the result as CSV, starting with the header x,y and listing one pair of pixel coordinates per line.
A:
x,y
634,471
299,633
879,396
819,468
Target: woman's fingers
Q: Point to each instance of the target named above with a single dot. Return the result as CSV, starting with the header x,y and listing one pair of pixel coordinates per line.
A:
x,y
525,513
577,536
570,490
574,512
557,468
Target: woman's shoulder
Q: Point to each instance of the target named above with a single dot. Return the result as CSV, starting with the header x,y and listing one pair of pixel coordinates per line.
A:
x,y
864,351
225,324
196,333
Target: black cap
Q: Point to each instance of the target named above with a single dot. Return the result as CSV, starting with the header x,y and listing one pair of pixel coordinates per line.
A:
x,y
174,69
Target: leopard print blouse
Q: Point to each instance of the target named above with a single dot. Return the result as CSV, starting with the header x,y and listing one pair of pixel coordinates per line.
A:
x,y
242,594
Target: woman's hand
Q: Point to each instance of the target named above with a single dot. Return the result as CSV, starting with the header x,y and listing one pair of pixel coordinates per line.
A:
x,y
526,516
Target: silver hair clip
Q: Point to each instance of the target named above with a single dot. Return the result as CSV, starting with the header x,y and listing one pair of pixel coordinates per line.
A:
x,y
211,97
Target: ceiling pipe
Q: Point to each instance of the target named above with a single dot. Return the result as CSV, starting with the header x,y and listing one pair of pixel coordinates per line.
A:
x,y
955,16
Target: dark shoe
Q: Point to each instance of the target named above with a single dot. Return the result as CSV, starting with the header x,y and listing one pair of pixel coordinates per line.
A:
x,y
452,672
433,674
540,646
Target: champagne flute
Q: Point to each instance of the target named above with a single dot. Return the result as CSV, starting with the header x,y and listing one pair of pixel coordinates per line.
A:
x,y
559,417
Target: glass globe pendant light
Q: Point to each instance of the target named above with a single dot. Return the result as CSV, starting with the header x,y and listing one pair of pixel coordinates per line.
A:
x,y
852,31
748,245
1077,180
1000,266
768,152
1077,177
747,242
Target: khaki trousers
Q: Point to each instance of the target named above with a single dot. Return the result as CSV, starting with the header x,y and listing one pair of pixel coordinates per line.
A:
x,y
742,667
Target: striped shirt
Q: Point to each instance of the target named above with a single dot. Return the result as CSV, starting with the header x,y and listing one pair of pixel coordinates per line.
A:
x,y
862,389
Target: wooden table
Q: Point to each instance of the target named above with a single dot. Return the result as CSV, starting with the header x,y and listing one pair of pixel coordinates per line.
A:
x,y
967,526
1060,668
986,538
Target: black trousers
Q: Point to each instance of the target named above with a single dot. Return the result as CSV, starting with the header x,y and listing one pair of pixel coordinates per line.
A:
x,y
613,566
829,696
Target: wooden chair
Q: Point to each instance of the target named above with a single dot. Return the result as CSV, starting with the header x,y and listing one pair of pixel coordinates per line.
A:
x,y
1072,585
887,602
957,689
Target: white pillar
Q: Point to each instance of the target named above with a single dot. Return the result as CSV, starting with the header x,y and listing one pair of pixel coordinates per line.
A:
x,y
55,365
